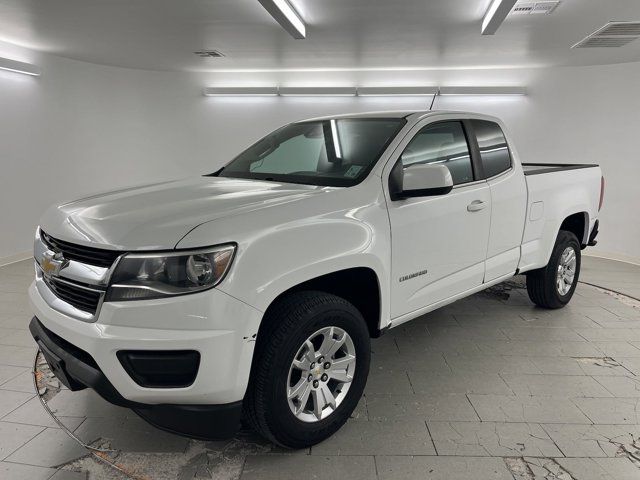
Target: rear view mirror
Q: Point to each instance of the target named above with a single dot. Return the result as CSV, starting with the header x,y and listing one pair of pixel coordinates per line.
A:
x,y
422,180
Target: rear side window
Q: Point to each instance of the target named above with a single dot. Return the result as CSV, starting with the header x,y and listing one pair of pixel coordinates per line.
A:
x,y
494,151
444,143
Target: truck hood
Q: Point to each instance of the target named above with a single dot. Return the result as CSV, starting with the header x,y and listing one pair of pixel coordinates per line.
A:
x,y
157,216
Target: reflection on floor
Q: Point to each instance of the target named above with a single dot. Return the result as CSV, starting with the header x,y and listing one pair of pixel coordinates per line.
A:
x,y
487,388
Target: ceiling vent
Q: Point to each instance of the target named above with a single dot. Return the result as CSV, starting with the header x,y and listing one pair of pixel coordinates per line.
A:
x,y
522,8
534,8
209,53
613,34
614,29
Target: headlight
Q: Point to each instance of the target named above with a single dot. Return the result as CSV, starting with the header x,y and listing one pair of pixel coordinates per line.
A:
x,y
158,275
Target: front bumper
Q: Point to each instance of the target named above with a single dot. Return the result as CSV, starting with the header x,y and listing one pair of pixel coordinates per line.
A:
x,y
217,326
77,370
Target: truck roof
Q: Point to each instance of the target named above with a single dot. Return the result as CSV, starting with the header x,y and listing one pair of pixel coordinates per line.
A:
x,y
391,114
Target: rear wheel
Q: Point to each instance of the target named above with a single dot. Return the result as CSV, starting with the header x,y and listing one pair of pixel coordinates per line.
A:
x,y
553,285
309,370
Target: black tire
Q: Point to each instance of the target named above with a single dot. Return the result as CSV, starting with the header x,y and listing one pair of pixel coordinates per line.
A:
x,y
288,324
541,283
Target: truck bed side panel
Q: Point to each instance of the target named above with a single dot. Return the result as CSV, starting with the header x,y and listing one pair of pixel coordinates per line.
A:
x,y
552,197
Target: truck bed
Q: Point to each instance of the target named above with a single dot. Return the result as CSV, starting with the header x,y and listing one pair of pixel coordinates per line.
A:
x,y
572,189
538,168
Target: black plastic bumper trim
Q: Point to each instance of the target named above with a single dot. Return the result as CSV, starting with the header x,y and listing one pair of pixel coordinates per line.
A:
x,y
594,233
77,370
161,368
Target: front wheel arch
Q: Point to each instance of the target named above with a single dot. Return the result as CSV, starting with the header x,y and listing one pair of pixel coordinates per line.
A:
x,y
359,286
294,317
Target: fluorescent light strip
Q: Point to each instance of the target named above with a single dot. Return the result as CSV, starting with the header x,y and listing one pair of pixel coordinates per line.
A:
x,y
317,91
286,16
361,91
19,67
497,91
240,91
373,69
497,12
396,91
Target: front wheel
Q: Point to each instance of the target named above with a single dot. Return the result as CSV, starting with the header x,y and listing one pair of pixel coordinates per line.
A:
x,y
553,285
309,370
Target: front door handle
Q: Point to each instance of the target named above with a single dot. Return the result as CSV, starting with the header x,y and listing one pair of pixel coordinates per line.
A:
x,y
476,206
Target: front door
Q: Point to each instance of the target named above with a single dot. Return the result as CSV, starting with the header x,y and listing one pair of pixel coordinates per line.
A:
x,y
439,243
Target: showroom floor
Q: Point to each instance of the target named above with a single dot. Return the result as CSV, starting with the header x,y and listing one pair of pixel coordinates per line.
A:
x,y
489,387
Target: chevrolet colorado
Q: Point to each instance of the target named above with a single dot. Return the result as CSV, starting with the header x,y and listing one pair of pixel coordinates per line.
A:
x,y
252,292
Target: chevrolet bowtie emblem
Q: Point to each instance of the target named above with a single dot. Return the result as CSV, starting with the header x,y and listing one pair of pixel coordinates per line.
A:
x,y
52,263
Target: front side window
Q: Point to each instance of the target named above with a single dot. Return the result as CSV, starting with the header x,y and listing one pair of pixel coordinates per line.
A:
x,y
444,143
494,151
338,152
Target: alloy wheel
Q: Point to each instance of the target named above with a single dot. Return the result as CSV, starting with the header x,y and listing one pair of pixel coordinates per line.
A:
x,y
320,374
566,271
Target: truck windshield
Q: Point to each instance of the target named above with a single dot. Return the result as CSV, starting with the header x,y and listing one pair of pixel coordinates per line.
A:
x,y
338,152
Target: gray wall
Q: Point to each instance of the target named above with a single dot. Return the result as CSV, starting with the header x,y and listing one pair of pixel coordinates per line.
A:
x,y
83,128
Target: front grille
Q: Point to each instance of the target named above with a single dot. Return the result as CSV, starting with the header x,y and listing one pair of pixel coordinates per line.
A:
x,y
71,251
81,298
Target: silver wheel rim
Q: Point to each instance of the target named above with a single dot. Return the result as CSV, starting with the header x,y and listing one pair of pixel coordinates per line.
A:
x,y
566,271
320,374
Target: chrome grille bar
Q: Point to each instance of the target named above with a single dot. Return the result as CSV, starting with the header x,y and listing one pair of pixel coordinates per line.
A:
x,y
75,288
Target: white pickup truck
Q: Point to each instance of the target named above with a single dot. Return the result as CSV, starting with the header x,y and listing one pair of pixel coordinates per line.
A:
x,y
253,292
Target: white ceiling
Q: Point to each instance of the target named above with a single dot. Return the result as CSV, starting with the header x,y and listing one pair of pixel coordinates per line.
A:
x,y
341,34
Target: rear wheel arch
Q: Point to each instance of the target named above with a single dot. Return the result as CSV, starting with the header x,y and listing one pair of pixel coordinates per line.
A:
x,y
543,283
578,224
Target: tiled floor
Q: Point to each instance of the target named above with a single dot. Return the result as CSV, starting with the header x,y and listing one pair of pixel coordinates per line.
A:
x,y
618,276
487,388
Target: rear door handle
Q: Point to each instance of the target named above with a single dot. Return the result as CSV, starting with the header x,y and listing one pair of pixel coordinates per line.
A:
x,y
476,206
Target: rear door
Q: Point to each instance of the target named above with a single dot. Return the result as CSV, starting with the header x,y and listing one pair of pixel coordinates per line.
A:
x,y
439,242
508,190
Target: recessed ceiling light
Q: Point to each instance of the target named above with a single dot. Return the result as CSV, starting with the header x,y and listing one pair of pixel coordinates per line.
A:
x,y
497,12
286,16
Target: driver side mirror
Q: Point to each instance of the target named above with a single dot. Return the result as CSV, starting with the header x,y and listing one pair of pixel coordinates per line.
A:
x,y
420,180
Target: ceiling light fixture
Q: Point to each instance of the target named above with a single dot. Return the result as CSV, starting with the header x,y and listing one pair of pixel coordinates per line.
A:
x,y
361,91
376,69
317,91
240,91
497,12
19,67
286,16
396,91
496,91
